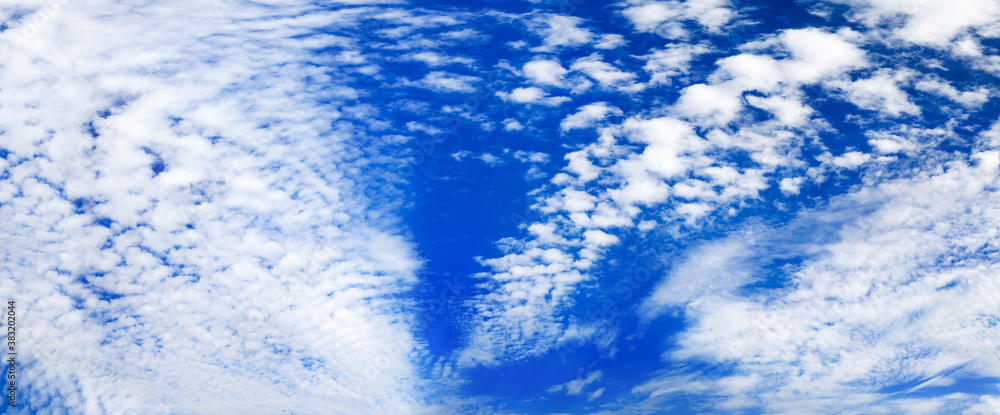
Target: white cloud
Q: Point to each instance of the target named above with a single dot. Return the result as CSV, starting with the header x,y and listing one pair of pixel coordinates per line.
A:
x,y
434,59
667,18
988,404
511,124
791,185
971,99
490,159
545,72
605,74
880,93
588,115
595,394
610,41
908,139
711,104
577,386
447,82
991,137
891,144
531,95
647,17
967,47
531,156
599,238
851,159
522,95
459,155
517,44
525,287
817,54
664,64
559,31
714,269
927,22
424,128
720,101
790,111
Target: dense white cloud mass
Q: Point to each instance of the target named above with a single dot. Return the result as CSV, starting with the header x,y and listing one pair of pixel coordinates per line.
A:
x,y
179,234
929,22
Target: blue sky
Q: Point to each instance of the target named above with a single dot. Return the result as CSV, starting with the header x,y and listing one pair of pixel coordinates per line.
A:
x,y
502,207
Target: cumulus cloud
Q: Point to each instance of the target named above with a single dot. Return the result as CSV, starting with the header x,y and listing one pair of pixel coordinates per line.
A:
x,y
587,115
791,185
605,74
851,159
511,124
559,31
664,64
667,18
531,95
815,56
545,72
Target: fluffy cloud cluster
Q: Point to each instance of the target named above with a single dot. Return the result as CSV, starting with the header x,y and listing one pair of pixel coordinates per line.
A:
x,y
821,343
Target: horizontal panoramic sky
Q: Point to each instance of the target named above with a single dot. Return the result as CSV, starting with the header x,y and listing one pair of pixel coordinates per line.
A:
x,y
501,206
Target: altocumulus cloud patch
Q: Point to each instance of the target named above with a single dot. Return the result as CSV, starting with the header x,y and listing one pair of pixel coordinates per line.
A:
x,y
502,207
